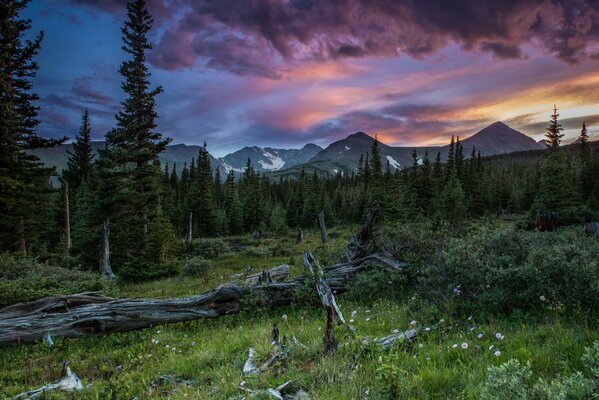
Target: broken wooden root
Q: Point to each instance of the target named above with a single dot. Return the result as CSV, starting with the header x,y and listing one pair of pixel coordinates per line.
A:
x,y
69,382
286,391
388,342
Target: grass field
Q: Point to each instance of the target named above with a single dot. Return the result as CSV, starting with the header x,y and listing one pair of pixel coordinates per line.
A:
x,y
204,359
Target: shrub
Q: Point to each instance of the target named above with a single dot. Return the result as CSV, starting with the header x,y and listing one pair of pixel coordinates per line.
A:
x,y
283,249
209,248
378,284
508,381
258,251
25,279
196,266
505,269
139,269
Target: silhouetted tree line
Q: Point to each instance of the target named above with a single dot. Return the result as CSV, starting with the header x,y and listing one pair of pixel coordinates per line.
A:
x,y
150,208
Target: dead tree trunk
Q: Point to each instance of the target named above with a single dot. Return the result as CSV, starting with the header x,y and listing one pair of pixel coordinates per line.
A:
x,y
358,247
300,236
67,217
327,298
105,269
323,227
189,234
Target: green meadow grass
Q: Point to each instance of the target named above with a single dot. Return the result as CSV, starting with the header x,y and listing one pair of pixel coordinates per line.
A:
x,y
211,353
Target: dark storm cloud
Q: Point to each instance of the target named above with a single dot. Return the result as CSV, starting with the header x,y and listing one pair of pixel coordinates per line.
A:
x,y
246,37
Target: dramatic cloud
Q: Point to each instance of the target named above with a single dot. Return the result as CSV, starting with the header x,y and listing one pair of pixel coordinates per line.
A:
x,y
287,72
261,37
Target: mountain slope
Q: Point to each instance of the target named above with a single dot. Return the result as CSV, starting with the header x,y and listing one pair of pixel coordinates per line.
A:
x,y
267,158
498,138
343,155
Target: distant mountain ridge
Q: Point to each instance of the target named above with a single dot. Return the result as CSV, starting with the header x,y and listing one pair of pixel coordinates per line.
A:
x,y
341,156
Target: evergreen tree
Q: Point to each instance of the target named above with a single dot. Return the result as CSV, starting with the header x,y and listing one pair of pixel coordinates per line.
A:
x,y
24,187
81,158
453,201
130,179
202,196
554,131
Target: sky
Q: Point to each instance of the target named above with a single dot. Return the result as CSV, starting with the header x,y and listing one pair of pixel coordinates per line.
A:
x,y
283,73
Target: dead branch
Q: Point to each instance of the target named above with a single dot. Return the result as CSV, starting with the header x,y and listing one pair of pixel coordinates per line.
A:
x,y
69,382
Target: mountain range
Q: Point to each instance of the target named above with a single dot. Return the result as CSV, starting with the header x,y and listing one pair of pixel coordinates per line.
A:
x,y
340,156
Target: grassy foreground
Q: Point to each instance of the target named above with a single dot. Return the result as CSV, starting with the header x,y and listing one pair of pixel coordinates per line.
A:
x,y
208,355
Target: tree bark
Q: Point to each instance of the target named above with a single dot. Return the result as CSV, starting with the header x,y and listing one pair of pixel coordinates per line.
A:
x,y
323,227
189,235
105,269
67,217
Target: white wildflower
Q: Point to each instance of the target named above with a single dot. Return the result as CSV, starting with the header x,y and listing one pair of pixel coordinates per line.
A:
x,y
354,313
491,347
285,317
497,353
480,335
498,335
455,346
367,319
413,323
464,345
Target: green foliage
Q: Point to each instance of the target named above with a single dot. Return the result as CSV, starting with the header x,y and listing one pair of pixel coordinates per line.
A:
x,y
25,278
378,284
503,269
509,381
512,380
209,248
196,266
258,251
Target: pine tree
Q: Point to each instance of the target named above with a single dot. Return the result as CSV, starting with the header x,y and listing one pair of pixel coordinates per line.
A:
x,y
130,179
201,196
453,201
554,131
80,160
24,187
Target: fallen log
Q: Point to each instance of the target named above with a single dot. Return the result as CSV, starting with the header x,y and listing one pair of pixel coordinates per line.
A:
x,y
92,315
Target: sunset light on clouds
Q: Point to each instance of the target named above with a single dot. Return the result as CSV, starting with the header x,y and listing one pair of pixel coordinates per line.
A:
x,y
284,73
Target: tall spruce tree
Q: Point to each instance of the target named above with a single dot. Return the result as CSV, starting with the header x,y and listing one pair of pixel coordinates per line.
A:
x,y
130,178
554,131
23,180
81,157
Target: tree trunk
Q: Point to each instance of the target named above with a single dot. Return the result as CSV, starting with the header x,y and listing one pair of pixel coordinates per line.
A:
x,y
189,235
323,227
105,269
67,217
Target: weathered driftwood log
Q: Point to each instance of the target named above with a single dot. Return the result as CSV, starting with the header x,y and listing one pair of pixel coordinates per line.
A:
x,y
592,229
275,274
89,315
62,317
69,382
388,342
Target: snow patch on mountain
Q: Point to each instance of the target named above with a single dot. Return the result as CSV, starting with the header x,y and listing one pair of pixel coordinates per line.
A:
x,y
229,168
393,162
347,148
274,161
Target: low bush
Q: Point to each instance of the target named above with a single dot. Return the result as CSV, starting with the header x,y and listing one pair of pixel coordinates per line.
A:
x,y
209,249
196,266
258,251
512,380
504,269
25,278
